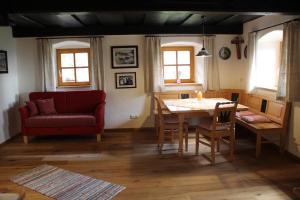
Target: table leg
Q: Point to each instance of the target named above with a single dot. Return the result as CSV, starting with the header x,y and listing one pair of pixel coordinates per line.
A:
x,y
180,128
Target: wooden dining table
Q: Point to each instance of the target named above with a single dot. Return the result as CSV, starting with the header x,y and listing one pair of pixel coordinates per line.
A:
x,y
189,108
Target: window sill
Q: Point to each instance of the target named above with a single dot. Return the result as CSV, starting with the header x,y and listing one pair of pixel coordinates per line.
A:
x,y
266,89
182,84
74,86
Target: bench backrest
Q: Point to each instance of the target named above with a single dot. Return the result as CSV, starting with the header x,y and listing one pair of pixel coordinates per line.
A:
x,y
277,111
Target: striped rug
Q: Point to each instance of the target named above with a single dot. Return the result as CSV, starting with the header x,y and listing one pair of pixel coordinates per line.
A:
x,y
62,184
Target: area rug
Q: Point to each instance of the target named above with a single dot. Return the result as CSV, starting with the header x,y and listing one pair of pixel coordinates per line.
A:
x,y
62,184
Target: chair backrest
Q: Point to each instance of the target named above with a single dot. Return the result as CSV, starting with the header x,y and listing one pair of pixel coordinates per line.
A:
x,y
224,115
158,107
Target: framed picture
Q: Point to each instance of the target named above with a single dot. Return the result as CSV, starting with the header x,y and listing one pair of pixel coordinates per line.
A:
x,y
224,53
124,57
125,80
3,62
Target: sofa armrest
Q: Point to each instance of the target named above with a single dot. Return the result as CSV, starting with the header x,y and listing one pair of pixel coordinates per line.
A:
x,y
99,114
24,114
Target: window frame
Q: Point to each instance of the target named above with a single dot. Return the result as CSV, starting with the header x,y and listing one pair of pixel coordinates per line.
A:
x,y
261,35
192,63
60,82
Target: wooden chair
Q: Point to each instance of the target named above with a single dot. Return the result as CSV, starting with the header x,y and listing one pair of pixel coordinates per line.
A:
x,y
218,127
169,123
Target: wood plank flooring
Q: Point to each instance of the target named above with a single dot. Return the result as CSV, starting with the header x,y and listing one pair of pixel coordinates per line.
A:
x,y
131,159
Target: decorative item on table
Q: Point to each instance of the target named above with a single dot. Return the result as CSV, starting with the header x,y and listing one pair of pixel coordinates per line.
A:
x,y
178,81
125,80
199,95
124,57
3,62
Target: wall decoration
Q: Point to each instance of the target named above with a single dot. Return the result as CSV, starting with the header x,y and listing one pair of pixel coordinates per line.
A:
x,y
124,57
245,51
224,53
3,62
125,80
238,41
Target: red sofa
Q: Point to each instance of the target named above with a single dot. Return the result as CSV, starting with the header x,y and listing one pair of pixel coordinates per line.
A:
x,y
78,112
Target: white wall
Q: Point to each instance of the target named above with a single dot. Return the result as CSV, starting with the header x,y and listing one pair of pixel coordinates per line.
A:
x,y
294,130
28,73
121,103
8,88
232,69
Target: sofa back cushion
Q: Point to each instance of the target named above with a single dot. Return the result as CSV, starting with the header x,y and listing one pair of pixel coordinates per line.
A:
x,y
72,101
46,106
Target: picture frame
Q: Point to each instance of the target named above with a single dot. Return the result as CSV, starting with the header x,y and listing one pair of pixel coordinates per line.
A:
x,y
124,57
3,62
224,53
125,80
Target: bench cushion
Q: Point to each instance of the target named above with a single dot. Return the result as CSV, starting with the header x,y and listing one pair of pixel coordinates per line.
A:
x,y
255,119
244,113
46,121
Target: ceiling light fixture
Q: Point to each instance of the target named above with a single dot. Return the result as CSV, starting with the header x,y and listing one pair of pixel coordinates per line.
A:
x,y
203,52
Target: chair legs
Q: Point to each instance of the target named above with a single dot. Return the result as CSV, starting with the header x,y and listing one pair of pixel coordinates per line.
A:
x,y
186,137
212,150
215,146
197,142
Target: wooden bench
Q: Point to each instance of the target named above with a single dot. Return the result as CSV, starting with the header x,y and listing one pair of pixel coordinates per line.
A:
x,y
277,111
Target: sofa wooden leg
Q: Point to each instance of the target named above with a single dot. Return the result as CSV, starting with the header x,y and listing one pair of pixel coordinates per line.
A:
x,y
25,139
98,137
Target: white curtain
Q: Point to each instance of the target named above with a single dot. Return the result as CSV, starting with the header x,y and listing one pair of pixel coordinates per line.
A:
x,y
211,66
252,60
97,63
289,72
45,55
153,71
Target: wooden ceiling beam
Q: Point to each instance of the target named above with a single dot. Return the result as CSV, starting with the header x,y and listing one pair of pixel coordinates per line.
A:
x,y
79,20
28,19
247,7
47,32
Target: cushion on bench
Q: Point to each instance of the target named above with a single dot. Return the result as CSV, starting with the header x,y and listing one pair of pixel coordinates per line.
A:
x,y
243,113
255,119
61,121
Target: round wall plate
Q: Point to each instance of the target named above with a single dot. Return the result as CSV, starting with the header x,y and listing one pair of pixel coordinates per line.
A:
x,y
224,53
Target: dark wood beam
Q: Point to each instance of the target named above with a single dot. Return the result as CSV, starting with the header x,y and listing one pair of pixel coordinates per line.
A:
x,y
225,19
4,19
28,19
78,20
186,19
257,7
47,32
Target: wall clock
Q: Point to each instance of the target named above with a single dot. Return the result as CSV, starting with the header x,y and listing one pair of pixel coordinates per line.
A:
x,y
224,53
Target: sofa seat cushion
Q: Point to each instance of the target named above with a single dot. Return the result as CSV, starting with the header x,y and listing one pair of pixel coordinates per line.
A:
x,y
49,121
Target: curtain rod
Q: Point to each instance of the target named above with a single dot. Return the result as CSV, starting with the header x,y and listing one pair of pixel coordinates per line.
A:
x,y
71,37
179,35
275,25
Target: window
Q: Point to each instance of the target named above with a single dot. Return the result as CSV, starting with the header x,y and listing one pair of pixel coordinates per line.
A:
x,y
178,64
268,53
73,67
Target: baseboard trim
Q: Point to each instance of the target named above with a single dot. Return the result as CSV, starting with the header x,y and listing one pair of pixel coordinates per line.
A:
x,y
111,130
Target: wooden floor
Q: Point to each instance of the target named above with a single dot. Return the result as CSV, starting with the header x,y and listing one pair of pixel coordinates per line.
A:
x,y
131,159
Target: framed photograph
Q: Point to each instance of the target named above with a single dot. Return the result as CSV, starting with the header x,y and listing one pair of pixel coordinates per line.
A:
x,y
3,62
124,57
125,80
224,53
